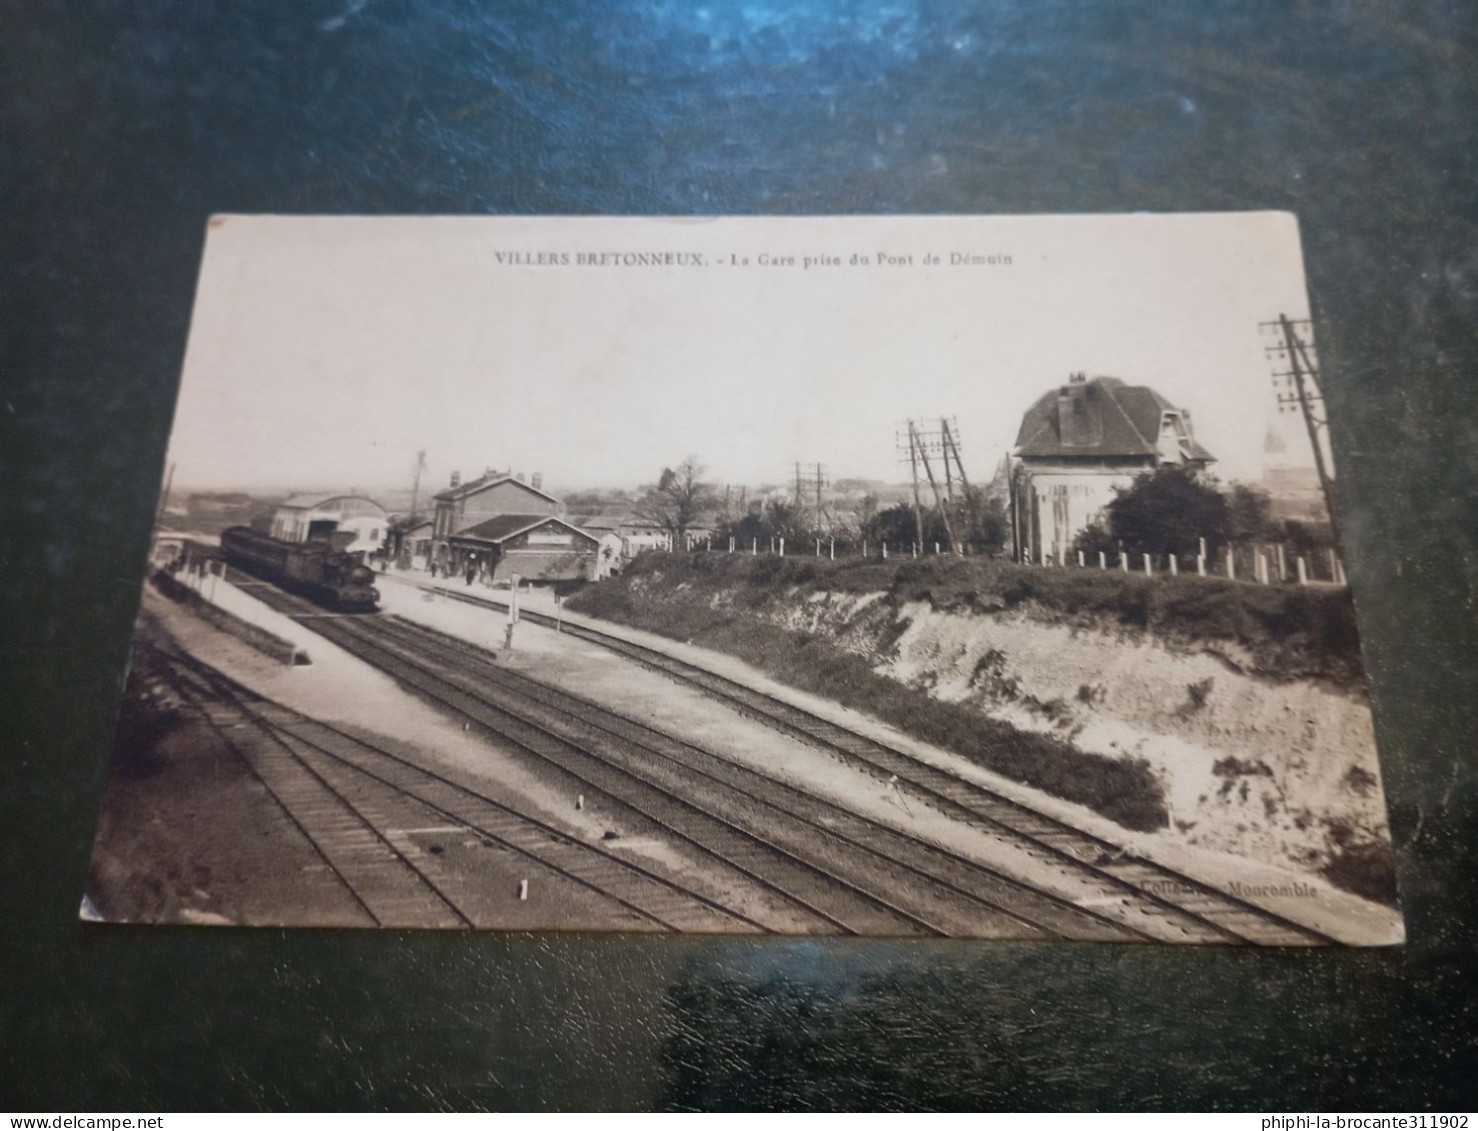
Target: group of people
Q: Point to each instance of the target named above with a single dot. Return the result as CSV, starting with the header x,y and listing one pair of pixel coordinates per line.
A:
x,y
444,569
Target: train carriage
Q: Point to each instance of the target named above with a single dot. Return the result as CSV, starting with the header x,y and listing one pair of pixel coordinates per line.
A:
x,y
338,579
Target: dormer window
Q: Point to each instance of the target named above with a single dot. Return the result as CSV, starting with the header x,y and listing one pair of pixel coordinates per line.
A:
x,y
1174,439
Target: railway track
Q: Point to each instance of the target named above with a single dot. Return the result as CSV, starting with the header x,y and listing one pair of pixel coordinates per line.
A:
x,y
353,801
813,871
938,891
1156,900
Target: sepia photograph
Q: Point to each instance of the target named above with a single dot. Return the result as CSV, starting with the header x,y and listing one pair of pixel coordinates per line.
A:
x,y
969,577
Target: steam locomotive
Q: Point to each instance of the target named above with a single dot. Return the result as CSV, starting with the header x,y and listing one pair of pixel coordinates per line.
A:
x,y
335,578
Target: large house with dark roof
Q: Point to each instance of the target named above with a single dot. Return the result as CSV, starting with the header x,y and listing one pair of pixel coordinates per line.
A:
x,y
1077,444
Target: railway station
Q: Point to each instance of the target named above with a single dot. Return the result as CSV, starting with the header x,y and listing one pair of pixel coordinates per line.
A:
x,y
501,524
531,546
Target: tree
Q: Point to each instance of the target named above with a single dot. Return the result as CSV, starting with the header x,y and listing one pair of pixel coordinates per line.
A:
x,y
1249,514
778,518
1168,511
896,525
983,526
678,499
1095,539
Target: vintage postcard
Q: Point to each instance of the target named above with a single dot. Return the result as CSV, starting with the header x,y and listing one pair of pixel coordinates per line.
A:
x,y
964,577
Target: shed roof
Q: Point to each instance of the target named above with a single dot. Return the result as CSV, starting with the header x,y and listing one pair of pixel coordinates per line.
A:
x,y
309,502
1103,417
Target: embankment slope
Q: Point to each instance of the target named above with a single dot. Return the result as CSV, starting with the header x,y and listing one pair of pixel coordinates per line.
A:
x,y
1232,716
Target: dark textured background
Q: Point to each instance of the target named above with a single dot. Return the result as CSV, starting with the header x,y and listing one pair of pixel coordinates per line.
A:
x,y
123,125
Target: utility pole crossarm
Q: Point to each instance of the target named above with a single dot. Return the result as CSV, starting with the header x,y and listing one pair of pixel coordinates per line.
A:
x,y
1304,375
934,487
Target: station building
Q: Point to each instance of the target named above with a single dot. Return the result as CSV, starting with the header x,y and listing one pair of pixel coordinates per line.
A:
x,y
498,525
1080,442
350,522
533,547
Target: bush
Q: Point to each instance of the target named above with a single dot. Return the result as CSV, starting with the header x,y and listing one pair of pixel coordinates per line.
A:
x,y
1289,632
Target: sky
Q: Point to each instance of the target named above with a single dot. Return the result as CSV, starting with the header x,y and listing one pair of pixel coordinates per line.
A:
x,y
325,352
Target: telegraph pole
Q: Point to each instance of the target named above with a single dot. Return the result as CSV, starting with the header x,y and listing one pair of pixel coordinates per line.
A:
x,y
913,467
1012,495
1302,376
949,533
952,448
809,477
416,482
818,498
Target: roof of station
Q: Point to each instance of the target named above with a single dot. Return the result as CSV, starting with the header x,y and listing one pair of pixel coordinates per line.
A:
x,y
506,526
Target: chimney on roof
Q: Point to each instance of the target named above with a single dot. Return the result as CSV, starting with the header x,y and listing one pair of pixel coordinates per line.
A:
x,y
518,475
538,481
456,479
1078,378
